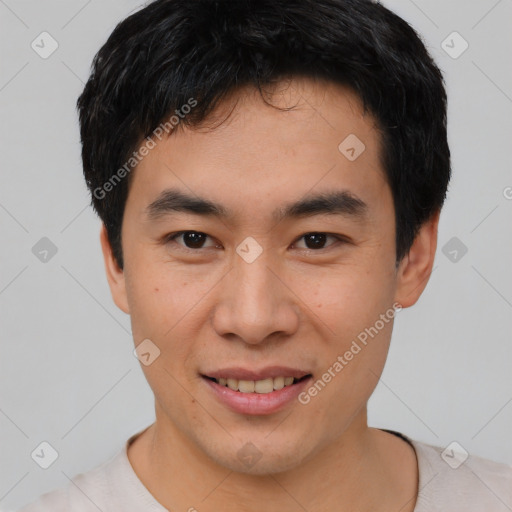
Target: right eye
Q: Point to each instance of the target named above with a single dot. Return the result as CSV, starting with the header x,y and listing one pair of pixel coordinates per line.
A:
x,y
191,240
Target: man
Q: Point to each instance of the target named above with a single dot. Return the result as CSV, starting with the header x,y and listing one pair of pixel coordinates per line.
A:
x,y
269,175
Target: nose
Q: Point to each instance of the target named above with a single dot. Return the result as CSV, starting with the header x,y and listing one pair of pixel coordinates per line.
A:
x,y
255,303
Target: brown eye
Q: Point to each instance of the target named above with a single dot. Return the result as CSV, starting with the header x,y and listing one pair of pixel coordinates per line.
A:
x,y
316,241
190,239
194,240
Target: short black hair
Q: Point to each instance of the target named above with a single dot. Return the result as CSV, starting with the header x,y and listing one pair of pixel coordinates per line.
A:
x,y
172,52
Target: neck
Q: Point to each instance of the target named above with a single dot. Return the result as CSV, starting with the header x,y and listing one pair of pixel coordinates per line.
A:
x,y
362,469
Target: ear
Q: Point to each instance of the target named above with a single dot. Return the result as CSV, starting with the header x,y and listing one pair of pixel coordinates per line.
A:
x,y
416,266
115,275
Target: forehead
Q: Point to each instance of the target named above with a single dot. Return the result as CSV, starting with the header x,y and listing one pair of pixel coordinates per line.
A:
x,y
313,137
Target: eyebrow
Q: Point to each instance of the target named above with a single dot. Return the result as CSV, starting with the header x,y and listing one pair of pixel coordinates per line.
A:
x,y
341,202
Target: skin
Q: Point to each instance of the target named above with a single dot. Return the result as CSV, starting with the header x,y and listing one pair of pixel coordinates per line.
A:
x,y
210,309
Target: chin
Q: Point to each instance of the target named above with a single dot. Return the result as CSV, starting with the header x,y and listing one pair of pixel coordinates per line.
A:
x,y
259,456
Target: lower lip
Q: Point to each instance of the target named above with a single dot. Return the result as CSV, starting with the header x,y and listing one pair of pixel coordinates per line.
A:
x,y
257,403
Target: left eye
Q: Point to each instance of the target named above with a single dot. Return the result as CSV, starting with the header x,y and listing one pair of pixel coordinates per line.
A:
x,y
317,241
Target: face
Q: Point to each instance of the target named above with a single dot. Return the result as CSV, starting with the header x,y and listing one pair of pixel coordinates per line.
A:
x,y
256,250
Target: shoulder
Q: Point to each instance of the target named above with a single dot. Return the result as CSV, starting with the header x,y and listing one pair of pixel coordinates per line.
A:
x,y
87,492
451,479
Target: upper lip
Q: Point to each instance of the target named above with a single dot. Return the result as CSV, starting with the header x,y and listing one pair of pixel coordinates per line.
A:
x,y
264,373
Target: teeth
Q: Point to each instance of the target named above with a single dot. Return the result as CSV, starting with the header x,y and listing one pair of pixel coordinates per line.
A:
x,y
279,383
258,386
232,384
246,386
264,386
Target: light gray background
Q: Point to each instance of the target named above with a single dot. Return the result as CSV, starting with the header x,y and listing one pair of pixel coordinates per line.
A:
x,y
67,371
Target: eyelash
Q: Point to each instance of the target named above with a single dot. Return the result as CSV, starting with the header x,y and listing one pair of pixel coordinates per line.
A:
x,y
171,237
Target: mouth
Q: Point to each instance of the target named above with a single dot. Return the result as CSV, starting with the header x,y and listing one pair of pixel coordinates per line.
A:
x,y
261,392
262,386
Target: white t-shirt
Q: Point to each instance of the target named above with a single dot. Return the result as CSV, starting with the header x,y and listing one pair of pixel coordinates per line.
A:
x,y
476,485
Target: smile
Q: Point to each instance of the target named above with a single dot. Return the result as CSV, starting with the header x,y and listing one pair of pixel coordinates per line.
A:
x,y
257,392
258,386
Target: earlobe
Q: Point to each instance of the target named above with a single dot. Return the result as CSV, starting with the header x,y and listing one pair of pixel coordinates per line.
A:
x,y
416,266
115,275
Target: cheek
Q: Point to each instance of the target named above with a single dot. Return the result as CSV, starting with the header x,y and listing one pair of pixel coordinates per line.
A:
x,y
147,302
351,303
163,310
351,367
357,303
168,307
157,300
350,298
